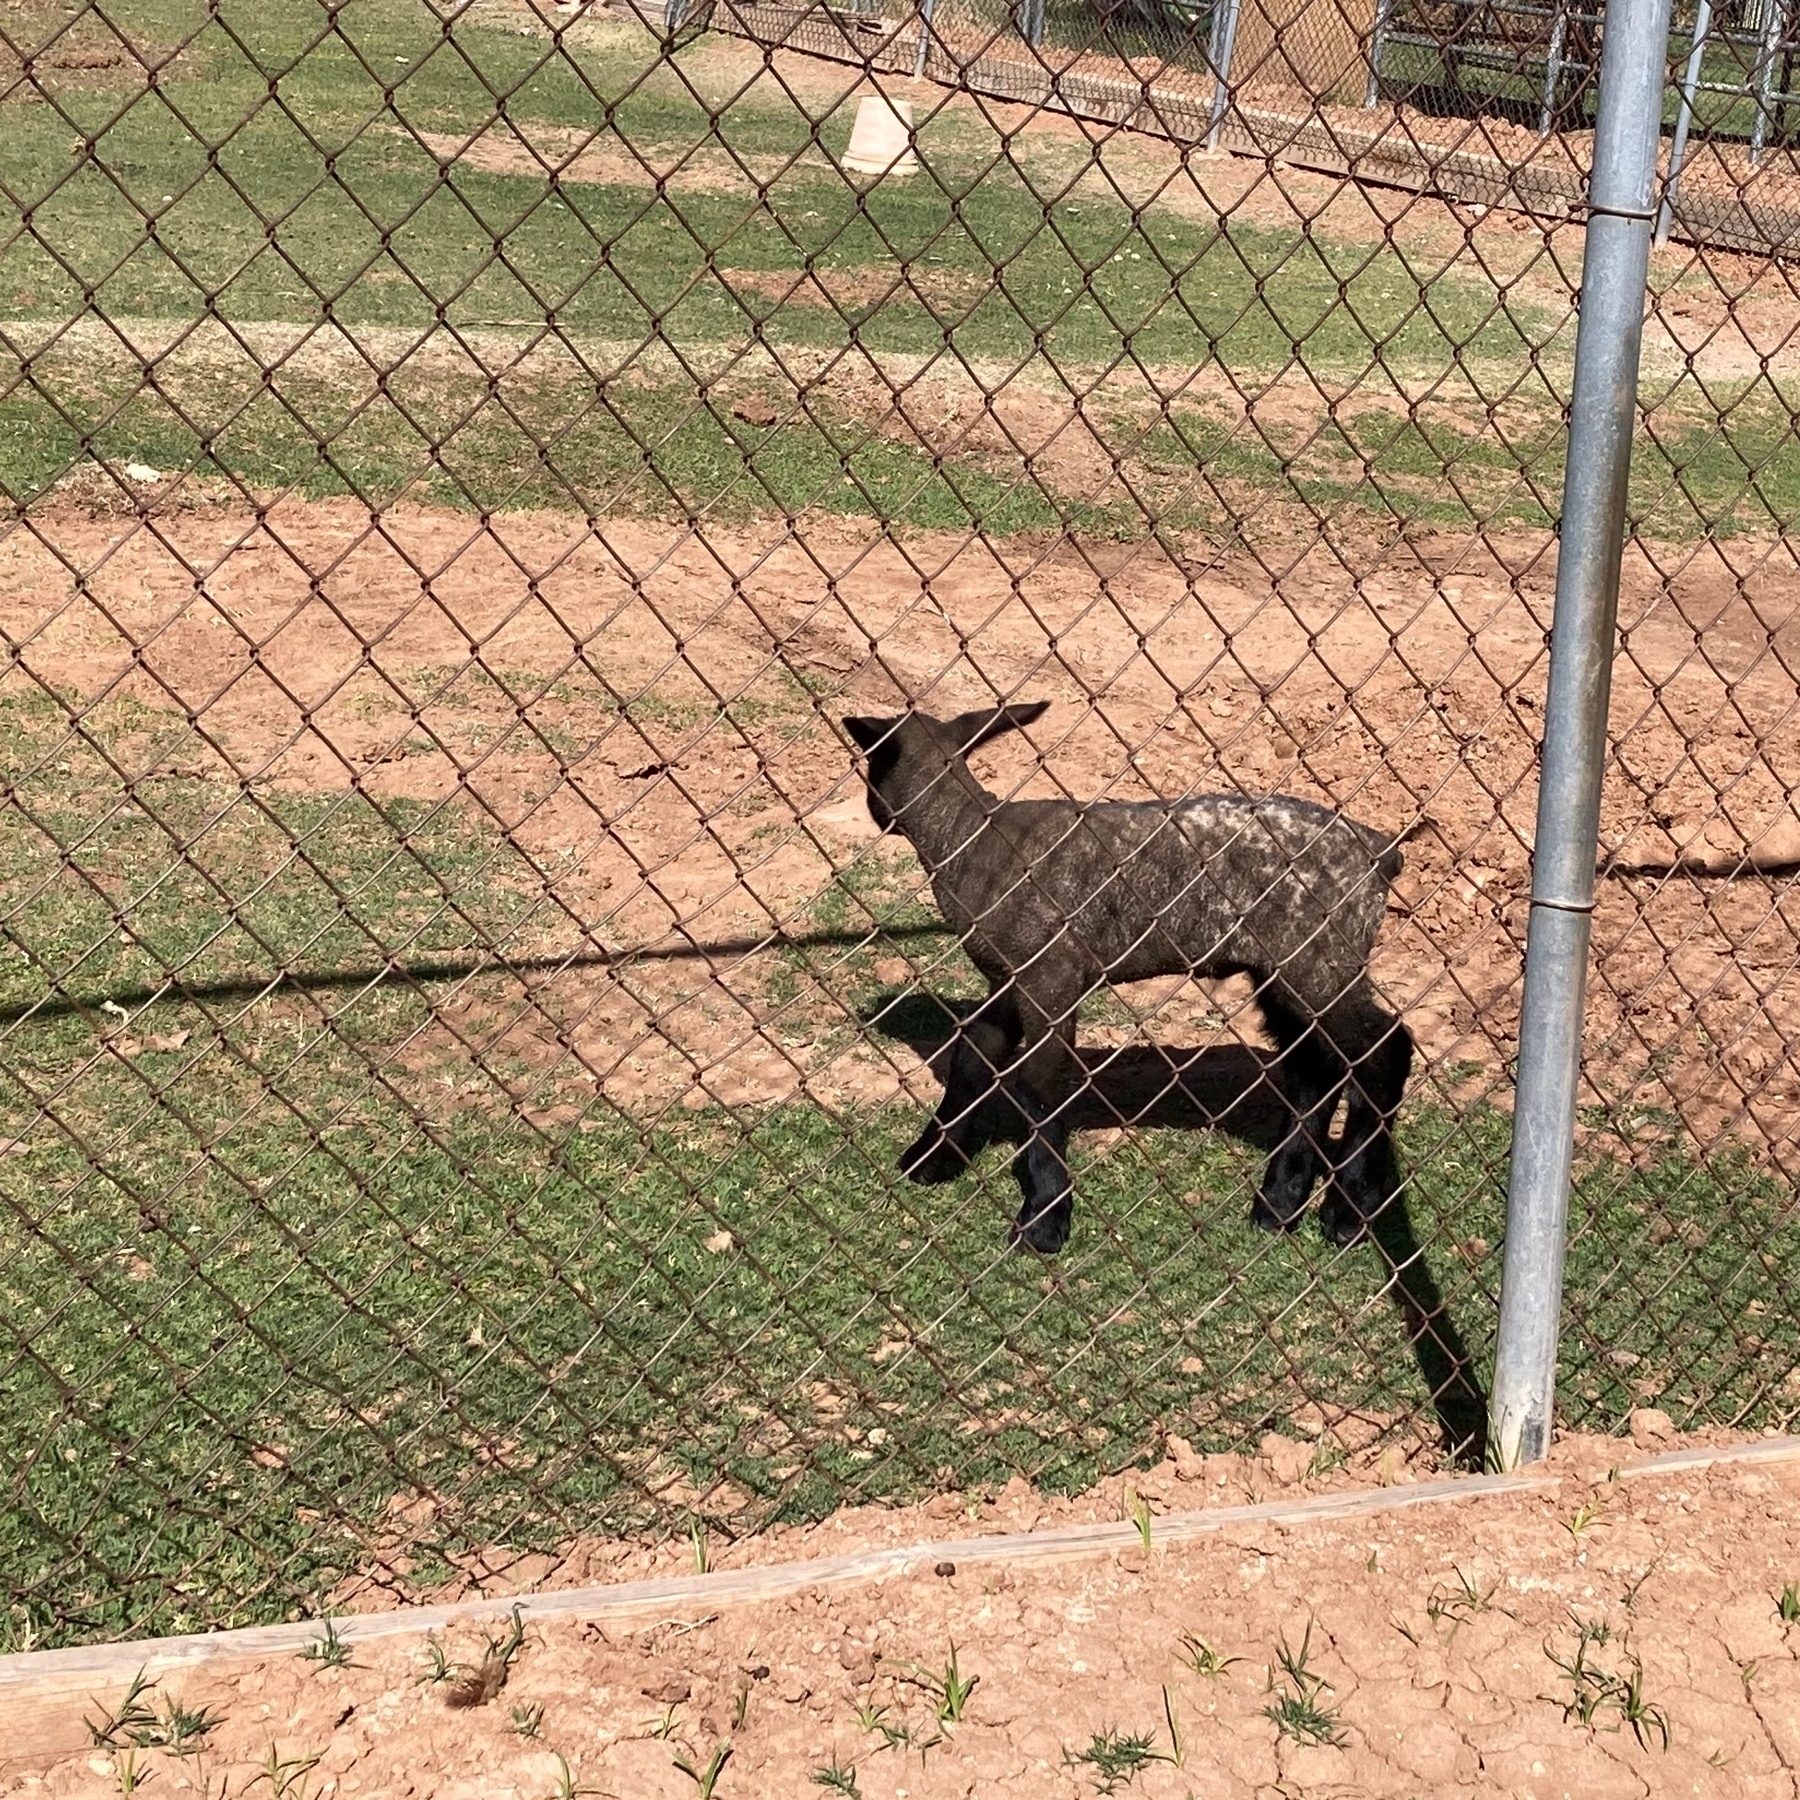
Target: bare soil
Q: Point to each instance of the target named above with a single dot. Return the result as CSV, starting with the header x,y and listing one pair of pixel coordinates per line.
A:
x,y
1603,1637
565,685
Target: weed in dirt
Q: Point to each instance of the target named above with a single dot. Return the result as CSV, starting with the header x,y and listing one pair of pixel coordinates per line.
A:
x,y
439,1667
662,1727
133,1714
1138,1510
477,1686
951,1691
1195,1653
1588,1685
130,1773
1583,1519
528,1721
1328,1454
1646,1719
1787,1603
704,1776
285,1775
896,1734
837,1778
1629,1595
180,1730
1115,1758
741,1705
567,1787
1594,1689
203,1783
697,1538
329,1651
1172,1719
1460,1603
1299,1711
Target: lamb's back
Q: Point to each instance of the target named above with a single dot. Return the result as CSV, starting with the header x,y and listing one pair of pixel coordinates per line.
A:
x,y
1145,888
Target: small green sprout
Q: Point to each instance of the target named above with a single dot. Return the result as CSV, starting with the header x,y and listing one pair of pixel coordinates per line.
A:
x,y
1195,1653
329,1651
837,1778
705,1777
1139,1509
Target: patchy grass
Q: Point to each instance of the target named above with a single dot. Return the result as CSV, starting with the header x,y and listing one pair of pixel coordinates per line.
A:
x,y
234,1350
327,208
432,284
270,1278
268,1272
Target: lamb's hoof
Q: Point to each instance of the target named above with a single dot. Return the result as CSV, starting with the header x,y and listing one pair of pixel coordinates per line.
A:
x,y
933,1160
1347,1221
1264,1215
1342,1221
1045,1232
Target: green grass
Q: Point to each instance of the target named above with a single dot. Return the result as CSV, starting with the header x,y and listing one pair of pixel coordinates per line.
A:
x,y
384,239
441,377
233,1345
277,1264
272,1265
1114,1759
323,207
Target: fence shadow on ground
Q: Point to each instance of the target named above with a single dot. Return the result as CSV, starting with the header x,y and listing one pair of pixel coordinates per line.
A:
x,y
1229,1088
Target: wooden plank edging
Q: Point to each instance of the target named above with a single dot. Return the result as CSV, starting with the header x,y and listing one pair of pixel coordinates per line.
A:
x,y
690,1595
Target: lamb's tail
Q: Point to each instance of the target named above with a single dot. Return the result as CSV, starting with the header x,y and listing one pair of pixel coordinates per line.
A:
x,y
1384,846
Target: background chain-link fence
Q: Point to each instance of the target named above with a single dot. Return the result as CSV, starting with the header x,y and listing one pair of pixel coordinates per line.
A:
x,y
459,1020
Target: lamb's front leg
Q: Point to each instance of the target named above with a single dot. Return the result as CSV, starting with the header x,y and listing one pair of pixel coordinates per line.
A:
x,y
982,1050
1049,1074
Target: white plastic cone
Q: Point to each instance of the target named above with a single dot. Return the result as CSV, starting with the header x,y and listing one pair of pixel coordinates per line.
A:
x,y
881,139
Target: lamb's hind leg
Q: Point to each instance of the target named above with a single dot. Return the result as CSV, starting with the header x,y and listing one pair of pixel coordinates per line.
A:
x,y
982,1049
1379,1051
1309,1076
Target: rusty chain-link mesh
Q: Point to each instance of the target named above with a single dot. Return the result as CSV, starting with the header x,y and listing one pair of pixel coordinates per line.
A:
x,y
460,1020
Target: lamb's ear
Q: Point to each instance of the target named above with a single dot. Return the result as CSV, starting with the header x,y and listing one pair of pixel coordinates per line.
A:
x,y
970,729
866,733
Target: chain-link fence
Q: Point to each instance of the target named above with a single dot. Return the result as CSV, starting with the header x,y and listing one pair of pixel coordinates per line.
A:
x,y
461,1020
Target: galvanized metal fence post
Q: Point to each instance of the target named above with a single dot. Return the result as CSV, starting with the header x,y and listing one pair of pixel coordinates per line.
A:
x,y
924,48
1684,119
1221,46
1384,12
1621,215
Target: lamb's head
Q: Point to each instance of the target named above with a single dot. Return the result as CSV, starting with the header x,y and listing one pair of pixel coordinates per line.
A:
x,y
912,758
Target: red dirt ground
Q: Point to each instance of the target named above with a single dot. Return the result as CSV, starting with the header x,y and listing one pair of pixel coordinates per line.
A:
x,y
1442,1641
1401,679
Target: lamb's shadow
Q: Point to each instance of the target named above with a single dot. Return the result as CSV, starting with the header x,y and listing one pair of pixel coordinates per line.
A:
x,y
1226,1088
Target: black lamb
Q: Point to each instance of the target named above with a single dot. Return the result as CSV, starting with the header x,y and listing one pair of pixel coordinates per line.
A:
x,y
1053,898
